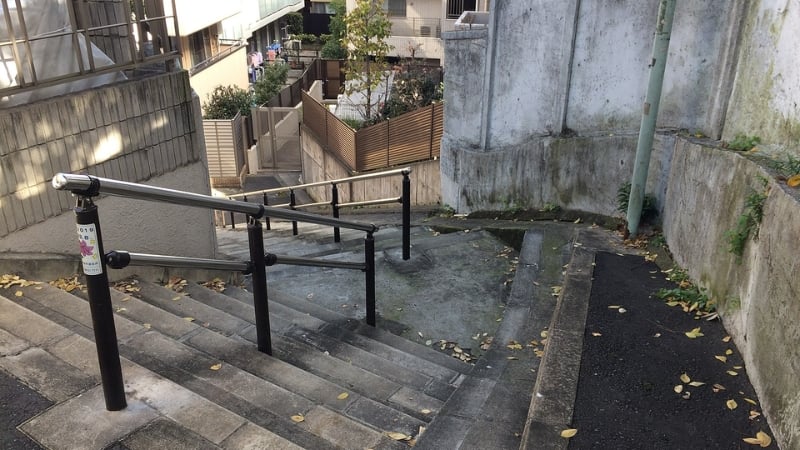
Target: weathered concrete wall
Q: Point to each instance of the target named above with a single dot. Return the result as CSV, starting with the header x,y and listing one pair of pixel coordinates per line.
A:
x,y
613,47
143,130
529,49
319,165
766,94
758,297
579,173
548,68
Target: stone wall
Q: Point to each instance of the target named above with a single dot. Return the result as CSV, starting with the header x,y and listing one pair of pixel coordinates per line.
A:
x,y
145,130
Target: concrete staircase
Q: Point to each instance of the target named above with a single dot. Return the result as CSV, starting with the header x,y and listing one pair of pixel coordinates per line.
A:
x,y
194,378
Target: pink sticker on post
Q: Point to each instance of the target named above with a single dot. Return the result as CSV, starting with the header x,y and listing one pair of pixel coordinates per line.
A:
x,y
90,253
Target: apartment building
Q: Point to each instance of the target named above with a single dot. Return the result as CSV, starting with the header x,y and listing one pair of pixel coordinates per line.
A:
x,y
417,25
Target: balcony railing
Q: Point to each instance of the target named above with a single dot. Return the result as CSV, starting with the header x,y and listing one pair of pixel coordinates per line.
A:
x,y
54,43
416,27
267,7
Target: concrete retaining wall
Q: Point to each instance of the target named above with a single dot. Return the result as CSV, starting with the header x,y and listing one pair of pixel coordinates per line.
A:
x,y
140,131
758,297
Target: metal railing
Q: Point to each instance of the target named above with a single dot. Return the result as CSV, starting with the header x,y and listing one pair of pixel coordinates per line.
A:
x,y
91,38
95,261
336,206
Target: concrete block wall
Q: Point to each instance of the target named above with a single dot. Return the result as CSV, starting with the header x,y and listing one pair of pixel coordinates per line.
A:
x,y
143,130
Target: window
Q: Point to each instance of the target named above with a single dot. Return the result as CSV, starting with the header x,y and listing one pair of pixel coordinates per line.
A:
x,y
396,8
456,7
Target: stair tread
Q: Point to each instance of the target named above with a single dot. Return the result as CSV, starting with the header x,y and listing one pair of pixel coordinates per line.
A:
x,y
68,353
355,326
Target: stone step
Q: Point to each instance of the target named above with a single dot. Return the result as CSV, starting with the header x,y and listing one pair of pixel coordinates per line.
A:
x,y
62,366
490,408
396,366
237,390
338,322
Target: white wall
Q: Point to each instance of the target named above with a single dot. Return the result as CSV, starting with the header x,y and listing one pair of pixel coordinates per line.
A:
x,y
194,15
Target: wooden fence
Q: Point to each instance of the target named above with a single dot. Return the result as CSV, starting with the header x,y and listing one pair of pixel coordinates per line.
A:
x,y
225,148
414,136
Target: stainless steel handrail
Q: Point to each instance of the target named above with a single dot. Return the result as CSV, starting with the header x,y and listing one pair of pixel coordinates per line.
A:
x,y
86,183
118,259
387,173
311,262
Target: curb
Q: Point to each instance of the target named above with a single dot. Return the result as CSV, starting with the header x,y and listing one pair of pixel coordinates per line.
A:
x,y
553,396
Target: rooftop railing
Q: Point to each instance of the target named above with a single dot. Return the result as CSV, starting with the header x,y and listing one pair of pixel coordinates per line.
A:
x,y
95,261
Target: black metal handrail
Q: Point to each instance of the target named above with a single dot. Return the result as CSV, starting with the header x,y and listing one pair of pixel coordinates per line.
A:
x,y
95,261
336,206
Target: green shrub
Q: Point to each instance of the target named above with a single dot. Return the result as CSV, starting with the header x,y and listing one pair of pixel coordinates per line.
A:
x,y
649,209
270,83
748,223
225,101
743,142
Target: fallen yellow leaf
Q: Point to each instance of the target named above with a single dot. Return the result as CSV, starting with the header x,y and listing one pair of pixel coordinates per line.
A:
x,y
761,439
678,389
18,294
696,383
754,414
189,319
793,181
343,396
718,387
146,326
426,411
569,432
614,307
721,358
695,333
732,373
397,436
216,366
764,438
731,404
596,334
726,339
298,418
752,402
685,378
511,358
728,352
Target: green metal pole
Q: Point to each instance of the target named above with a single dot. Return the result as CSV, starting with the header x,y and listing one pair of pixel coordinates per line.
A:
x,y
666,11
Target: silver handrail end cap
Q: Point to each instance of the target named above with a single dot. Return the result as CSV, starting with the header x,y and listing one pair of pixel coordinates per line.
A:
x,y
59,181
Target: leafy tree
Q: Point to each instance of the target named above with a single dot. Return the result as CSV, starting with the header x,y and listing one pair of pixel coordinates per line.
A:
x,y
367,29
333,48
294,20
225,101
416,86
270,83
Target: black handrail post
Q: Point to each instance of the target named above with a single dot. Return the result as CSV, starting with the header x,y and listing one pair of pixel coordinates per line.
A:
x,y
292,203
337,237
105,333
369,269
266,203
255,235
406,217
233,221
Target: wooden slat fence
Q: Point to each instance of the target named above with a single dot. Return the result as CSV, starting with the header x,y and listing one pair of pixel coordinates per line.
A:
x,y
414,136
225,149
